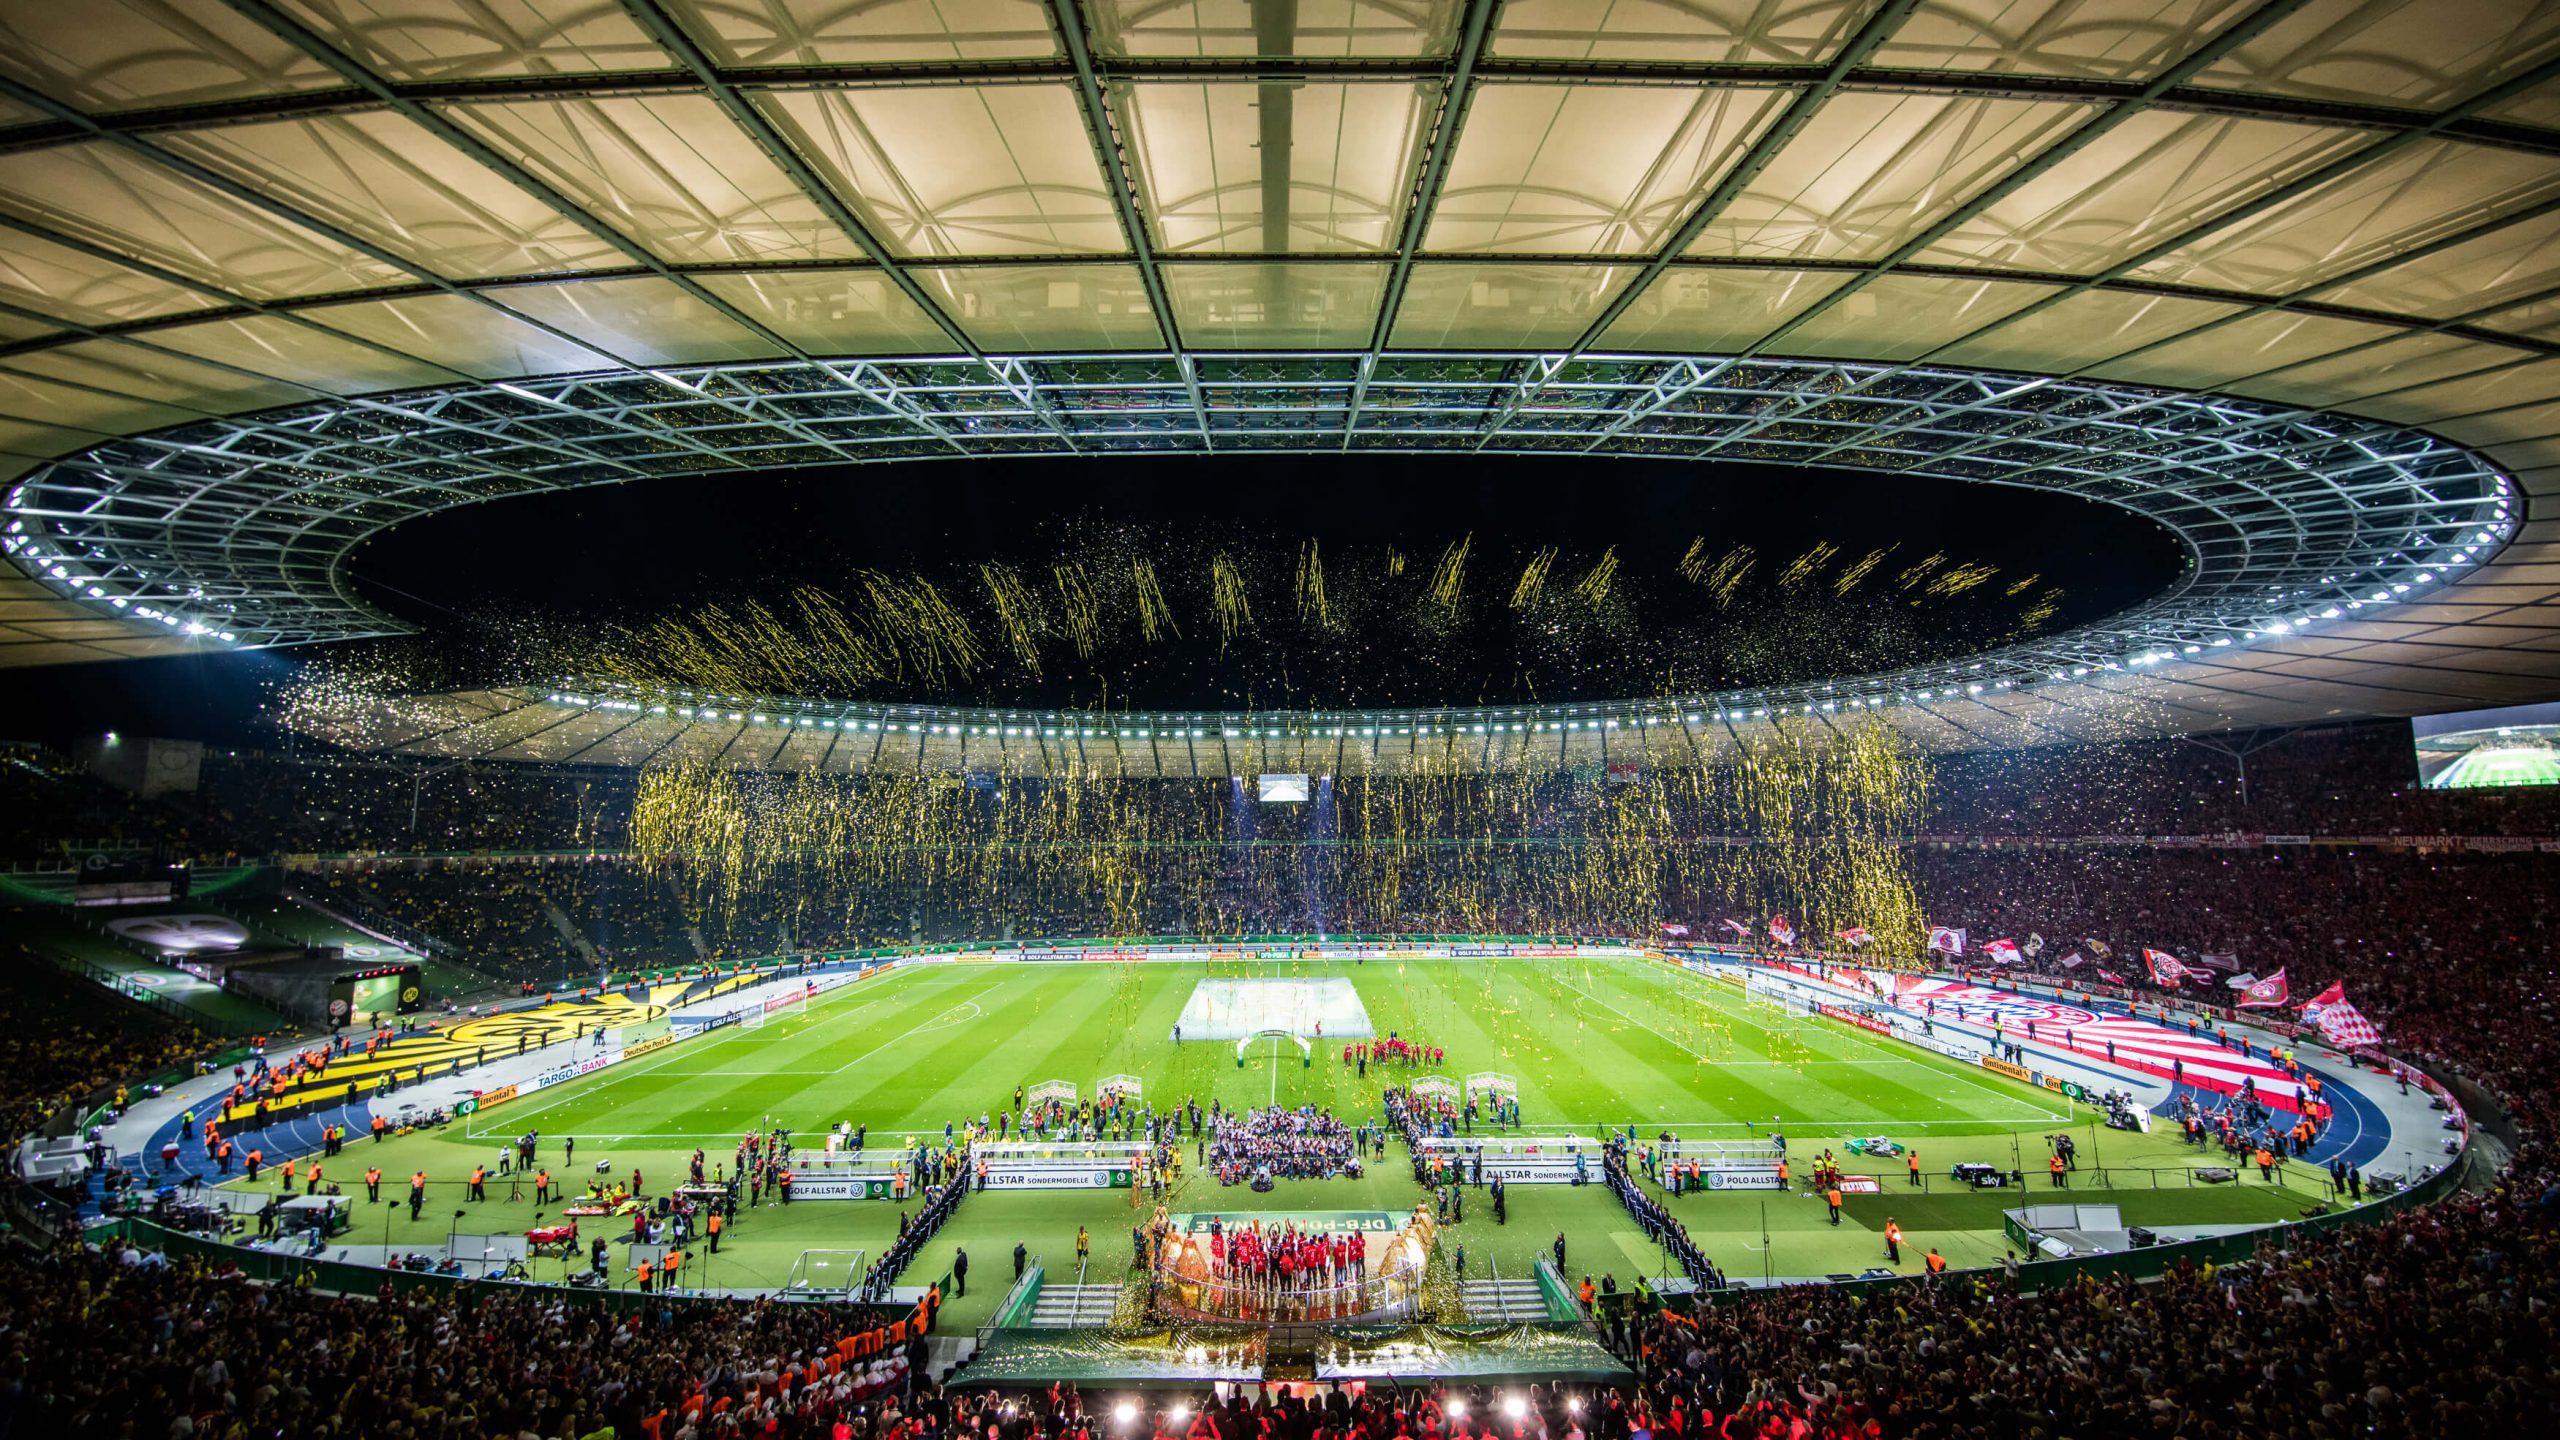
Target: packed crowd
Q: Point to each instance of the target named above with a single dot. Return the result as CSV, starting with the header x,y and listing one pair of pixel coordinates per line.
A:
x,y
1276,1143
2441,1321
116,1342
62,1051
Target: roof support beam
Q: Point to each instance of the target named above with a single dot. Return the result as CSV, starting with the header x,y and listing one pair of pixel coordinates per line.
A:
x,y
1113,156
1457,89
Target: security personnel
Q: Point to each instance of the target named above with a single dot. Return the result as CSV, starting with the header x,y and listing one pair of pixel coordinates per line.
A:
x,y
256,1158
372,1184
713,1226
377,1129
542,1186
479,1182
1832,1197
1937,1262
1892,1241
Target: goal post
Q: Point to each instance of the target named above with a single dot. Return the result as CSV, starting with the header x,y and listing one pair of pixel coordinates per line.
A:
x,y
824,1274
1760,990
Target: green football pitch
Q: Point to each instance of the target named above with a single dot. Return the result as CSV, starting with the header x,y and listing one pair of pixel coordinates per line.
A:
x,y
1593,1043
2491,766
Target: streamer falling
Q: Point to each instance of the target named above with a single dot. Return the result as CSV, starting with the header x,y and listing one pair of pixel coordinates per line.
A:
x,y
1824,818
1449,577
1594,585
1228,599
1083,611
1807,565
1155,617
1312,609
1532,585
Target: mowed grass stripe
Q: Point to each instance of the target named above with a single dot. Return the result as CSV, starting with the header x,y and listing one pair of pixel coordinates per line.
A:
x,y
1938,1084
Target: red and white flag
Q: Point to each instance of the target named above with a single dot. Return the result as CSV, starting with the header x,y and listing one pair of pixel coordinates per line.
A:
x,y
2166,969
2262,994
1946,939
2000,952
2336,994
2344,1026
1781,931
1856,935
1740,930
1676,932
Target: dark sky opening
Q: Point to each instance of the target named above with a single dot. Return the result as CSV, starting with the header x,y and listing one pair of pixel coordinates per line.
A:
x,y
516,590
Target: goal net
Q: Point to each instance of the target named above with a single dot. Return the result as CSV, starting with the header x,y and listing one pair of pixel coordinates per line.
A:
x,y
1760,990
825,1272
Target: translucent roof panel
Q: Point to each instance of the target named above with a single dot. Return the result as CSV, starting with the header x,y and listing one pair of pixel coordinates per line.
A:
x,y
2420,193
1715,308
2245,347
2084,39
1695,32
137,370
1285,307
2539,320
59,280
2091,326
111,197
439,40
2138,184
1240,27
14,328
90,410
2505,265
2401,364
834,312
1201,152
1588,170
273,345
2529,384
669,171
790,32
1868,169
1453,306
644,321
2409,52
119,54
951,170
1025,309
384,177
460,334
1903,317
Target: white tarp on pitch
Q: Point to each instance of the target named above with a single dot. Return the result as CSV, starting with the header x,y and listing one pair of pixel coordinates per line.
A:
x,y
1234,1009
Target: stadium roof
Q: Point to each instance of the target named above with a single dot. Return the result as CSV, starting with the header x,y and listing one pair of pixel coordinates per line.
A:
x,y
277,274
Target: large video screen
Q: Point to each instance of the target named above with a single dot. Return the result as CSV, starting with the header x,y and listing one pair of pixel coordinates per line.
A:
x,y
1283,790
2485,749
